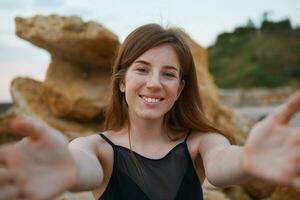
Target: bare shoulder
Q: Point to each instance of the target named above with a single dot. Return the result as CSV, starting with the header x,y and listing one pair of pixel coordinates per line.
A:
x,y
207,144
196,138
97,146
88,143
200,143
106,156
105,149
207,140
193,143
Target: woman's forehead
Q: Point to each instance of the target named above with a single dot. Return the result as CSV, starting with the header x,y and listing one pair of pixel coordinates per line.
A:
x,y
164,54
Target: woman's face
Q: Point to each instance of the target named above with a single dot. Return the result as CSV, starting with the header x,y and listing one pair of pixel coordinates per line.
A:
x,y
152,83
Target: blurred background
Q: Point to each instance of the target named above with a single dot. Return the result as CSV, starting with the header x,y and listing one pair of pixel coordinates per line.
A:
x,y
250,44
238,34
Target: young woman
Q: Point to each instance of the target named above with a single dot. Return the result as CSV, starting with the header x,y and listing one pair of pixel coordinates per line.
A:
x,y
157,144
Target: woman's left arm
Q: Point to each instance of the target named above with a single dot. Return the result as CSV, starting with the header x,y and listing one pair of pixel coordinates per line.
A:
x,y
223,163
271,152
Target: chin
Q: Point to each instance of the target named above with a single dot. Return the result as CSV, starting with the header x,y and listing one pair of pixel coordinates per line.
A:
x,y
151,116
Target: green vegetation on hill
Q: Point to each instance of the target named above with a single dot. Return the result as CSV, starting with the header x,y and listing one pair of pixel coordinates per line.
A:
x,y
248,57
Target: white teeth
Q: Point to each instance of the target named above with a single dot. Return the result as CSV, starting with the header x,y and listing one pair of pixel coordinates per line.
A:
x,y
151,100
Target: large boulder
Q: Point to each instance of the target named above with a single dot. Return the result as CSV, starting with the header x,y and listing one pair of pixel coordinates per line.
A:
x,y
285,193
87,43
75,92
214,110
81,56
26,95
259,189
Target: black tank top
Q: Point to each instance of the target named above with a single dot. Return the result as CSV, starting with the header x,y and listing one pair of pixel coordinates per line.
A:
x,y
140,178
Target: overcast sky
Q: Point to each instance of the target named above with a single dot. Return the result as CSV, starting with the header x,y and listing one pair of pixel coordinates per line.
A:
x,y
203,20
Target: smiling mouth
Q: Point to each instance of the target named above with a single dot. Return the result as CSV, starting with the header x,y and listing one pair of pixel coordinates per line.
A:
x,y
151,99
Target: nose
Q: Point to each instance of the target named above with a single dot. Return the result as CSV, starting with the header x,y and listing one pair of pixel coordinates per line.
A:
x,y
154,81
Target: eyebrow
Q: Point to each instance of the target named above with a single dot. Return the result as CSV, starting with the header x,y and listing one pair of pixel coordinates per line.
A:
x,y
147,63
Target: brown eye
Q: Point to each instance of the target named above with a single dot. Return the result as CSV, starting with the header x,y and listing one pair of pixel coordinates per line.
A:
x,y
141,70
169,74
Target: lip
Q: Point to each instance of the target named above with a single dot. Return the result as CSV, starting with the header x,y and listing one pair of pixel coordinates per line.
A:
x,y
153,97
148,96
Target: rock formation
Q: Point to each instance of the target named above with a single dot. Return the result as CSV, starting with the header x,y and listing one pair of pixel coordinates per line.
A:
x,y
285,193
81,56
88,44
214,110
28,100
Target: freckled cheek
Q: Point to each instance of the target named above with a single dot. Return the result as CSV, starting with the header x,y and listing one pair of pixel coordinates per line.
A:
x,y
171,85
172,92
132,88
133,84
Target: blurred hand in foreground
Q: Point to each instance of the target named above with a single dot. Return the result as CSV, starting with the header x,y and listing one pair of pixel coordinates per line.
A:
x,y
272,150
38,167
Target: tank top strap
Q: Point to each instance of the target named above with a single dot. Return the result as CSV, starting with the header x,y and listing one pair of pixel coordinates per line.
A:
x,y
107,140
186,137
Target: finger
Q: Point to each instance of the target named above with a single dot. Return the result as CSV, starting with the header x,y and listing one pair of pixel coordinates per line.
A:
x,y
296,183
26,126
4,149
285,112
5,176
8,192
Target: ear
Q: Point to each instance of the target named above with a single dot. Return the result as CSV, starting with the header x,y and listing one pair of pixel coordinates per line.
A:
x,y
122,86
182,84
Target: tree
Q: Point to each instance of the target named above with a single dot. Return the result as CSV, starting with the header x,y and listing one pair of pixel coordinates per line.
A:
x,y
250,24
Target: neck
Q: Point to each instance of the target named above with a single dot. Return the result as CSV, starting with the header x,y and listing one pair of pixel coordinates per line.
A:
x,y
144,131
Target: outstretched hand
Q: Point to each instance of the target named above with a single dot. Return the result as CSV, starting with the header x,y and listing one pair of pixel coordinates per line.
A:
x,y
272,150
39,167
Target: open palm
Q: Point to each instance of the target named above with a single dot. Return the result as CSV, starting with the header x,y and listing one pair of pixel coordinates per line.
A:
x,y
38,167
272,150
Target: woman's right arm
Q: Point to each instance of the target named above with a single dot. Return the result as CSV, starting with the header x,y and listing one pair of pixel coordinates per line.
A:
x,y
43,164
89,170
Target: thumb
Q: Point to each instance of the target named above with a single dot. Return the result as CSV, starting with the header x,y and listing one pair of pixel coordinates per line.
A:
x,y
28,127
288,110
